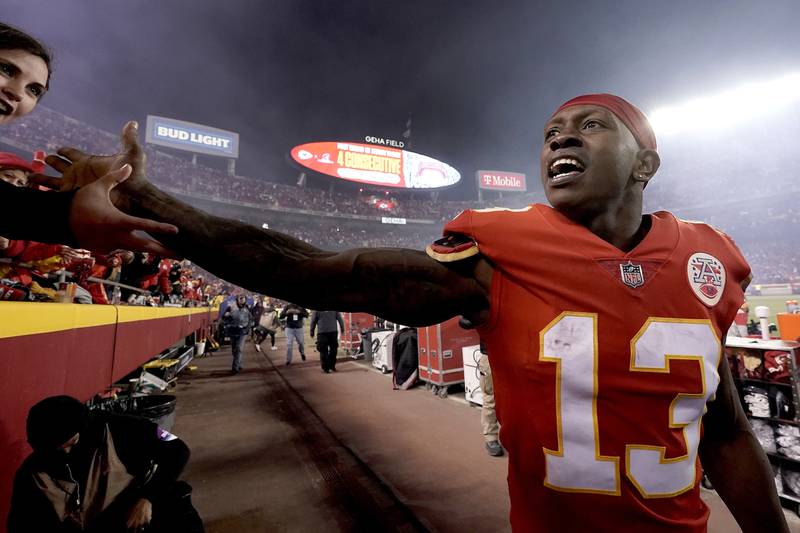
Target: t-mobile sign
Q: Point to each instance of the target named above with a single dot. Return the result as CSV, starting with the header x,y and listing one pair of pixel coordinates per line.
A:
x,y
500,180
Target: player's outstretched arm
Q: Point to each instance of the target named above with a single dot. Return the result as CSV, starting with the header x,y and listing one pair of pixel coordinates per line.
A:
x,y
736,464
404,286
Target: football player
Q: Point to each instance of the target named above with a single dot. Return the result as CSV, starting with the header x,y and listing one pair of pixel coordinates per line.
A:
x,y
608,325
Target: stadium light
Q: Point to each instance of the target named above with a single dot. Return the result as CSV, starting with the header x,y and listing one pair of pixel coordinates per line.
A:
x,y
721,111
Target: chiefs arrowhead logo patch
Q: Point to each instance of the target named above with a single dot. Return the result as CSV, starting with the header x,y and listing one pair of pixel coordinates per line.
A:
x,y
706,277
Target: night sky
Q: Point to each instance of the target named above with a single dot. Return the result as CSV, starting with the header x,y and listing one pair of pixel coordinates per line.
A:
x,y
479,78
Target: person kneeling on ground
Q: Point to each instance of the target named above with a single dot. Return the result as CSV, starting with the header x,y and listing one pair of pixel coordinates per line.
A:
x,y
99,471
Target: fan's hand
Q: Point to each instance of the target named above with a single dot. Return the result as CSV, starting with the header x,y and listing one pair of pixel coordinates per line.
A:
x,y
98,225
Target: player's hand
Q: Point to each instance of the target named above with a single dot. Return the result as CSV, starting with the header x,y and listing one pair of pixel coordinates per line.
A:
x,y
140,515
98,225
4,243
79,169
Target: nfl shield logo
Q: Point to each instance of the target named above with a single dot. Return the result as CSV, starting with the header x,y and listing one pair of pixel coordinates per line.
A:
x,y
632,275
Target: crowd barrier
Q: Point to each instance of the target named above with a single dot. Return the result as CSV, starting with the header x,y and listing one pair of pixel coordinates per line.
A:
x,y
79,350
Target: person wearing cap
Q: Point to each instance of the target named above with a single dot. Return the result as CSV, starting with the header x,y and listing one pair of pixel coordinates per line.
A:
x,y
608,325
14,170
98,471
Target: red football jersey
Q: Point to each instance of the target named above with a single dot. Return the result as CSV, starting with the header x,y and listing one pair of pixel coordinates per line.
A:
x,y
603,362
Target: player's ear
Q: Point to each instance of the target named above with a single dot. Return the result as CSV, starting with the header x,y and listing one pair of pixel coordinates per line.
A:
x,y
647,163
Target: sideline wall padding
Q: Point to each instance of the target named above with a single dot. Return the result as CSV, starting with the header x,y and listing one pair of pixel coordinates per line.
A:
x,y
79,350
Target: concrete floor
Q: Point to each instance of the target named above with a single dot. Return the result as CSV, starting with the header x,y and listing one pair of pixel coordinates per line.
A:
x,y
290,449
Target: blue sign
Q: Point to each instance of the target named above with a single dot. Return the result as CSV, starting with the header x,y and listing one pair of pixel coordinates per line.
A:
x,y
192,137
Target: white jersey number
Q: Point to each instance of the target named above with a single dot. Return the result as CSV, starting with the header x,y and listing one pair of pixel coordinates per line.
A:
x,y
570,341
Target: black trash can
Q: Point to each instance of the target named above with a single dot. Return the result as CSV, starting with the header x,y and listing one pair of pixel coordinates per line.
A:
x,y
160,408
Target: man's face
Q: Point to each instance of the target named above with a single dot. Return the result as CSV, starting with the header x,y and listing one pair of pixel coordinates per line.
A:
x,y
241,301
14,176
587,159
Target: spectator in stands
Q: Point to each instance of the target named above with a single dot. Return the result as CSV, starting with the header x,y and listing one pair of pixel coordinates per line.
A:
x,y
37,258
144,272
14,170
238,322
327,337
175,274
33,260
105,267
87,216
294,315
98,471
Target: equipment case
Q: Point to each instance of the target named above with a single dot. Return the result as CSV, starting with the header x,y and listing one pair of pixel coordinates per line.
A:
x,y
351,336
440,360
382,350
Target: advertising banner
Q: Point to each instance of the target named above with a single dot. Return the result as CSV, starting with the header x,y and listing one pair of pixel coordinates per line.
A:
x,y
375,165
192,137
500,180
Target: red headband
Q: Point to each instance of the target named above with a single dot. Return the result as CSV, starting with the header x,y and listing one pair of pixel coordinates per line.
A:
x,y
629,114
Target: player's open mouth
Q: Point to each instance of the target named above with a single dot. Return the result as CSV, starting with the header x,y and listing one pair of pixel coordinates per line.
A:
x,y
5,108
564,169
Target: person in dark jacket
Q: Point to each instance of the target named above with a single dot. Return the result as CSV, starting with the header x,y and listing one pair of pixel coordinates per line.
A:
x,y
257,310
328,337
100,472
294,315
238,321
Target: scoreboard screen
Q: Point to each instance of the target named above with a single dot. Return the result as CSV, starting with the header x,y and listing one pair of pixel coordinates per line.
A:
x,y
375,165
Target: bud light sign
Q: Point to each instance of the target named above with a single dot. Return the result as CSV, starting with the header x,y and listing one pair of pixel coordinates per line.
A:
x,y
192,137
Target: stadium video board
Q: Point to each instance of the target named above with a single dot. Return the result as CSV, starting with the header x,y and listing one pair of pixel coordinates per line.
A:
x,y
375,165
500,180
192,137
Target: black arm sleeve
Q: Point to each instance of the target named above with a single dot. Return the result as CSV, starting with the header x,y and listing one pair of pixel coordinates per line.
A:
x,y
35,215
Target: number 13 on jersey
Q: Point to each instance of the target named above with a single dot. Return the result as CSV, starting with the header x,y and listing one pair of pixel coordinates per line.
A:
x,y
570,341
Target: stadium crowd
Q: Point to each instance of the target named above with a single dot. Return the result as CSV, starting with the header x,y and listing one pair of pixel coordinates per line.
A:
x,y
36,271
